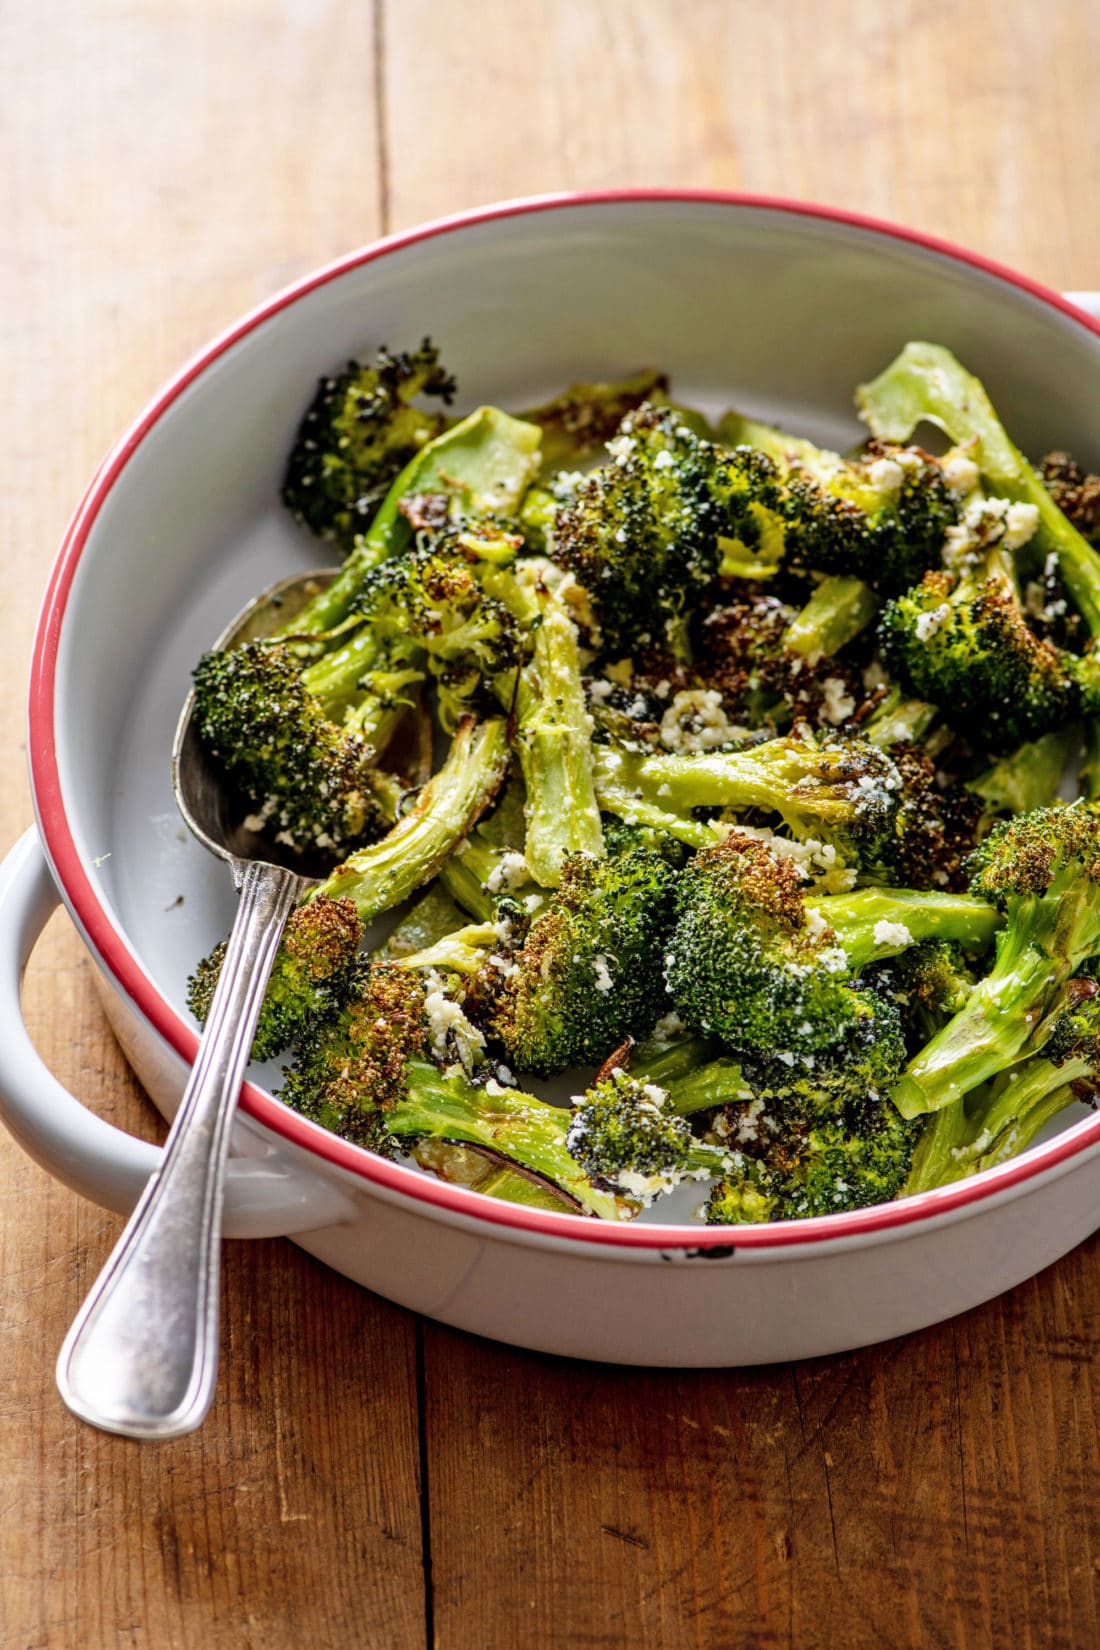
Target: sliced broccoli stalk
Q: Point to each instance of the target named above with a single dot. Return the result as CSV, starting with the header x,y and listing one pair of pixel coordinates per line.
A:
x,y
839,609
842,791
484,464
1042,870
386,872
432,917
898,720
999,1120
553,735
1029,777
873,923
481,1171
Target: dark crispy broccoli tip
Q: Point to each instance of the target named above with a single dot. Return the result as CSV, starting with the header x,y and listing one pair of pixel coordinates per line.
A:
x,y
626,1138
351,1068
358,432
313,970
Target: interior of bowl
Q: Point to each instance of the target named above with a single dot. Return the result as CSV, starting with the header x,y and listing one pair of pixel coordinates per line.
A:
x,y
777,311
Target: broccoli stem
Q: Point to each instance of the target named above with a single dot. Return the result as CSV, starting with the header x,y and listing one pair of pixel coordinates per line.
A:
x,y
898,720
692,1082
910,916
487,460
553,734
995,1124
615,790
529,1132
926,382
838,610
986,1034
384,873
769,776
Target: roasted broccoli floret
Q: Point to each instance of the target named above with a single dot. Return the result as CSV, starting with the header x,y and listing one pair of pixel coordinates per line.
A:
x,y
842,791
1042,871
881,517
303,773
932,981
962,640
364,1074
775,664
999,1120
628,1139
751,961
845,1161
647,532
313,969
360,429
589,970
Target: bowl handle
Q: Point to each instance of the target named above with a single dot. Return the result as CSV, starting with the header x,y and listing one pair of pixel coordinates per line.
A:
x,y
263,1196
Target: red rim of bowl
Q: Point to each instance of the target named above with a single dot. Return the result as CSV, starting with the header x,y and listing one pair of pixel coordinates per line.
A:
x,y
122,965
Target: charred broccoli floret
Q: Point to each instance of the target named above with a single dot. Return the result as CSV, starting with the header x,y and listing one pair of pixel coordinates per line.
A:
x,y
313,969
364,1074
303,773
646,533
360,429
751,961
588,972
881,517
831,1163
1074,491
1042,871
577,424
628,1139
999,1120
963,641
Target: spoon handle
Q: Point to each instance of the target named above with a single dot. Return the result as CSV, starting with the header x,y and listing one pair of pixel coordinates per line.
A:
x,y
141,1358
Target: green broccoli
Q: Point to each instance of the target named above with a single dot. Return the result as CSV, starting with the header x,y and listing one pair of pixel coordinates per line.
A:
x,y
360,429
646,533
364,1075
627,1139
1042,871
752,962
588,972
1001,1118
842,791
881,517
313,969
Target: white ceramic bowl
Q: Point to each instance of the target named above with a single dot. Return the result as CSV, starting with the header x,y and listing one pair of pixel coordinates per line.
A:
x,y
769,306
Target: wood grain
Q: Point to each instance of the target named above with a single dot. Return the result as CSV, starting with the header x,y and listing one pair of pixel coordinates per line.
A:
x,y
165,166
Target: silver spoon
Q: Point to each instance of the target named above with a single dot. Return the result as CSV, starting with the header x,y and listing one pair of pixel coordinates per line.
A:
x,y
141,1358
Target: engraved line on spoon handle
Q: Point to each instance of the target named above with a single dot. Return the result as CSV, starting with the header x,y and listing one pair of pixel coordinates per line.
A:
x,y
141,1357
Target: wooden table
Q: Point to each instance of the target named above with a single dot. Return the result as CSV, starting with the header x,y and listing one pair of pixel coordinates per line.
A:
x,y
367,1479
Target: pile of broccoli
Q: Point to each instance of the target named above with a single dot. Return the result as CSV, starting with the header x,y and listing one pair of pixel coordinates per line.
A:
x,y
713,774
